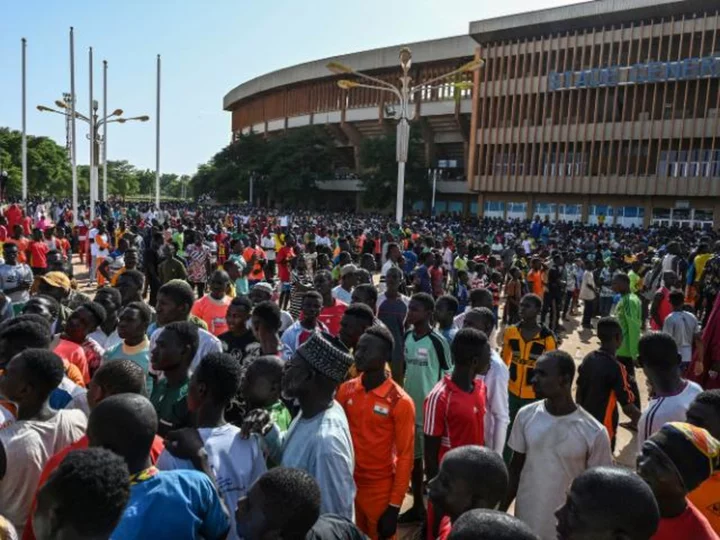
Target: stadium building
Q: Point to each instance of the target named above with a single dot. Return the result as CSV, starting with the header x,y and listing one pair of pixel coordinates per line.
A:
x,y
605,110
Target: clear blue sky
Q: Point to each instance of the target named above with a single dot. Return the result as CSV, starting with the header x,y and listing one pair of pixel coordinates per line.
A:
x,y
207,47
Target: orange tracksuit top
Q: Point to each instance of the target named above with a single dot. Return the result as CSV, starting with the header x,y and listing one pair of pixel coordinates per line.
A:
x,y
382,425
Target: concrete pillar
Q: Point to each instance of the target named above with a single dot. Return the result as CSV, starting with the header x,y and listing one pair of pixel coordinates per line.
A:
x,y
530,206
481,204
648,205
585,211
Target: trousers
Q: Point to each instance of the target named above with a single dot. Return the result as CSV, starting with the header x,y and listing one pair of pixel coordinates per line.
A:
x,y
371,500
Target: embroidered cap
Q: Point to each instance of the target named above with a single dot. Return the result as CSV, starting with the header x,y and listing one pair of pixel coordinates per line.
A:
x,y
325,357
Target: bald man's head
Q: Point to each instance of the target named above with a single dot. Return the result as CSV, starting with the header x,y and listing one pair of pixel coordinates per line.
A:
x,y
125,424
608,502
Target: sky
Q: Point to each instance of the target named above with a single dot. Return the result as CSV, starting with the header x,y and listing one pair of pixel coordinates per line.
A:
x,y
207,47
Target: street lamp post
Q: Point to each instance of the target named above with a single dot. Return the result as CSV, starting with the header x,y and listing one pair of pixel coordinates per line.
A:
x,y
96,139
404,93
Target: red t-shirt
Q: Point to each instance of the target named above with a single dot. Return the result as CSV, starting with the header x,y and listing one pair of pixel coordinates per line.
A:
x,y
14,216
283,255
3,233
330,316
690,524
54,462
27,225
436,278
38,254
456,416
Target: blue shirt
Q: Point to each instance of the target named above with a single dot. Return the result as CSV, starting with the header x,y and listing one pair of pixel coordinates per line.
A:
x,y
140,354
423,273
323,447
173,504
410,262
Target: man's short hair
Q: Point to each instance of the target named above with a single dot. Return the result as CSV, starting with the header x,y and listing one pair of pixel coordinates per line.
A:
x,y
478,523
621,501
242,301
121,376
136,276
268,366
382,333
452,302
43,369
483,469
711,398
565,363
481,298
269,313
360,311
291,500
96,310
313,294
90,489
187,333
24,332
179,291
221,373
608,328
467,343
658,351
425,300
534,298
144,309
370,290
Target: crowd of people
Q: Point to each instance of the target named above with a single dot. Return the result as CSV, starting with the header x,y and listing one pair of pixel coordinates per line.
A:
x,y
237,372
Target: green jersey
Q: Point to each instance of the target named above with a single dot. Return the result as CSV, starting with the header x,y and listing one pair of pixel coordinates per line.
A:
x,y
628,313
427,359
171,406
280,415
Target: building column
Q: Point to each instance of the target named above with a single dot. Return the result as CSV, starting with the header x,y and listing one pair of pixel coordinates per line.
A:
x,y
481,204
585,211
648,205
530,207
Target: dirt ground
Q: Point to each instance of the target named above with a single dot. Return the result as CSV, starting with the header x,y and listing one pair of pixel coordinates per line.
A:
x,y
575,340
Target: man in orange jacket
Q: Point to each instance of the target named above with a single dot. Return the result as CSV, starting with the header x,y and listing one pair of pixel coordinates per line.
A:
x,y
381,416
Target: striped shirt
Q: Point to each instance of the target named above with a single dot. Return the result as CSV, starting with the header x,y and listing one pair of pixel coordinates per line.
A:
x,y
664,409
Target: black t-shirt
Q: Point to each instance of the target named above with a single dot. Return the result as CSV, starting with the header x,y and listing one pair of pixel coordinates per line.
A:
x,y
334,527
240,347
602,384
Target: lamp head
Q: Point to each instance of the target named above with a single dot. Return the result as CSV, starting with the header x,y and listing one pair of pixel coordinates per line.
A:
x,y
346,85
143,118
95,105
405,58
338,68
117,112
473,65
60,103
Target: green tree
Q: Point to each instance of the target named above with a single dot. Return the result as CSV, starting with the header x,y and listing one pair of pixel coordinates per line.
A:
x,y
47,164
296,162
379,172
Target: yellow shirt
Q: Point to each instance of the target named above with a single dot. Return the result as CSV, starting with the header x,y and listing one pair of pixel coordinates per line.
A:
x,y
520,357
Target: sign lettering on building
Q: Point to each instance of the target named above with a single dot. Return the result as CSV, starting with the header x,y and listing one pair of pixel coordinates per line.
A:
x,y
651,72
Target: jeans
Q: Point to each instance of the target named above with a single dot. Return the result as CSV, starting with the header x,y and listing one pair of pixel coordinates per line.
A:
x,y
588,312
605,305
567,302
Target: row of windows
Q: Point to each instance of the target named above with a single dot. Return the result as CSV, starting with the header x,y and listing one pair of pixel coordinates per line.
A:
x,y
532,64
570,159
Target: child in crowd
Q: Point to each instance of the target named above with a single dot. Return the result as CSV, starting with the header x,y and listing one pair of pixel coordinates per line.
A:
x,y
212,308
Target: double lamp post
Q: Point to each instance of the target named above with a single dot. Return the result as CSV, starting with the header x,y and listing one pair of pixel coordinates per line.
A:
x,y
404,94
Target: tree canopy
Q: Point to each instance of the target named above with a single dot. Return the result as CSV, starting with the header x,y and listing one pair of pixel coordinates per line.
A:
x,y
286,168
379,171
50,174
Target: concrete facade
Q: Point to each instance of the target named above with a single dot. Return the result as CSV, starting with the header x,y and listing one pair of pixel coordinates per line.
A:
x,y
609,107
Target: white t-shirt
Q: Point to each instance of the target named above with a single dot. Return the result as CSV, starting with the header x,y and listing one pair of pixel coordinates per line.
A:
x,y
28,446
588,280
557,449
93,245
207,343
682,326
268,244
105,341
497,410
236,462
341,294
387,266
661,410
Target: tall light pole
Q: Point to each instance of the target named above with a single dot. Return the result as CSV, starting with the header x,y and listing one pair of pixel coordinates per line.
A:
x,y
104,135
157,139
24,124
91,137
73,147
404,93
96,139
